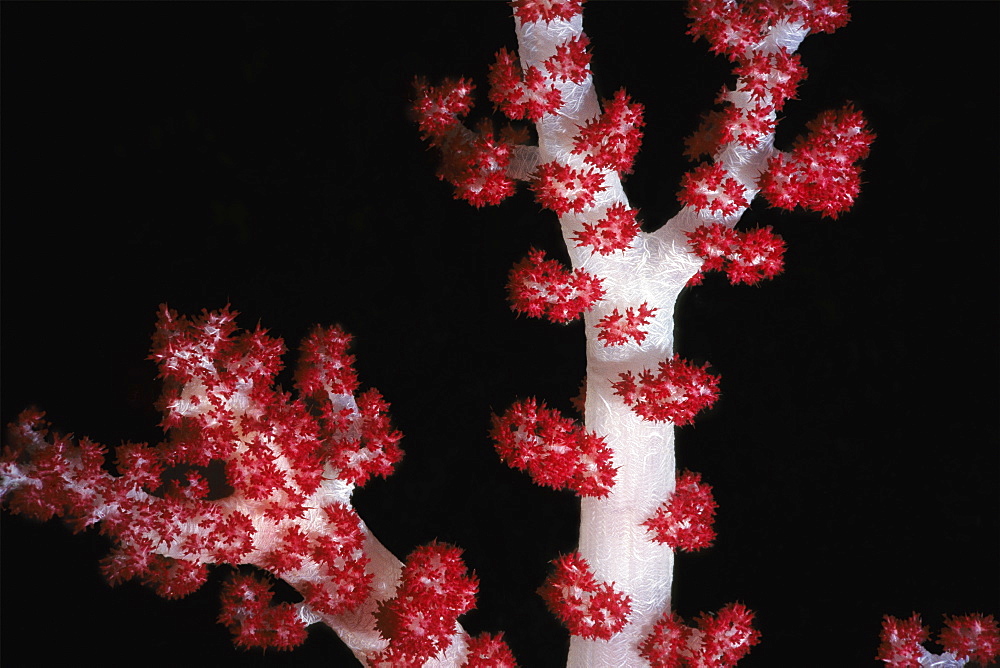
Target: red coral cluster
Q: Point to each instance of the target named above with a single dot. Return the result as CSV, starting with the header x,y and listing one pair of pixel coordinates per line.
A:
x,y
752,124
902,639
712,132
439,108
667,645
339,552
617,328
361,441
571,61
562,188
532,11
771,75
733,28
588,608
221,406
676,392
543,288
489,651
612,140
529,94
972,637
747,126
684,522
746,257
477,163
325,366
614,232
718,641
421,620
821,172
708,187
554,450
45,476
254,622
474,163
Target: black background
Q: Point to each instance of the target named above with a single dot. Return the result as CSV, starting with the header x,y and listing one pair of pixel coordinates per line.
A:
x,y
260,155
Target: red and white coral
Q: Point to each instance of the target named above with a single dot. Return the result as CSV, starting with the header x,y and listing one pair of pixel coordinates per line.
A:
x,y
439,108
339,553
772,77
476,165
531,11
714,130
542,288
614,232
489,651
280,456
529,94
359,439
684,522
746,257
728,636
362,442
612,140
421,620
554,450
571,61
667,645
709,187
750,125
44,476
676,392
718,641
325,366
821,172
588,608
901,642
967,638
221,404
733,28
254,622
972,637
618,329
562,188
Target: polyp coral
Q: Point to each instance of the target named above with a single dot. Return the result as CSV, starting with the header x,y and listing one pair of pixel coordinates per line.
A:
x,y
276,457
282,503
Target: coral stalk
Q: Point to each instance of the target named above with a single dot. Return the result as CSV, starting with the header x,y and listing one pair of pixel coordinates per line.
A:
x,y
612,539
637,390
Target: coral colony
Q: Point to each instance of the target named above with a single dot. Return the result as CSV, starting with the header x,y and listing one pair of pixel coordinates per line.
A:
x,y
291,462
